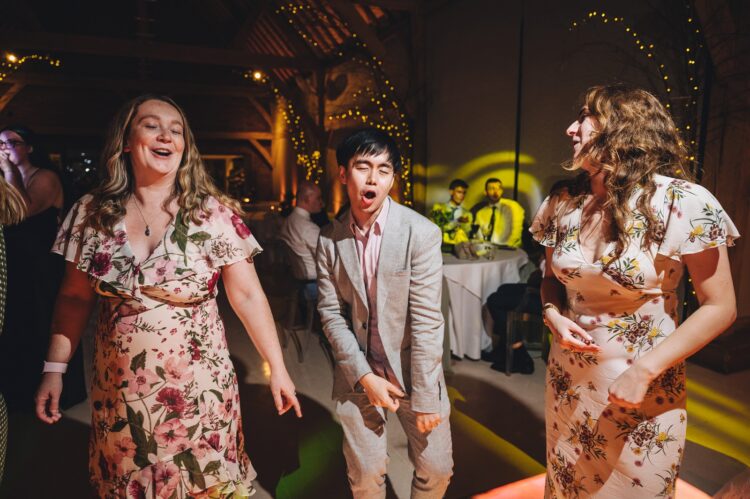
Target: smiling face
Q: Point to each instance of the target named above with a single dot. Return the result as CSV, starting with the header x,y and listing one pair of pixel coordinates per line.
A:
x,y
581,132
155,140
368,180
14,147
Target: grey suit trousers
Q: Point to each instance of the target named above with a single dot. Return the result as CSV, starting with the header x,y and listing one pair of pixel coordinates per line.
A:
x,y
365,448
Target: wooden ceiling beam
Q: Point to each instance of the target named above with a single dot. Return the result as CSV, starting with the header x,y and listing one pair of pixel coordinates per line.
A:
x,y
261,110
408,5
263,151
9,94
66,131
248,24
349,14
116,47
162,86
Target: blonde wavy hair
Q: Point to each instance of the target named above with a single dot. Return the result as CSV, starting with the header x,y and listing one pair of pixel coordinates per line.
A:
x,y
635,138
12,205
192,188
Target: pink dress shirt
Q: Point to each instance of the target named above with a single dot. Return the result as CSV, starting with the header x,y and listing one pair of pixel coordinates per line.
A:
x,y
368,249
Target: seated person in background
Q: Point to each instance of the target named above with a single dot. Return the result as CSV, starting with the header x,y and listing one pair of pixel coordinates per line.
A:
x,y
457,213
520,297
501,220
300,233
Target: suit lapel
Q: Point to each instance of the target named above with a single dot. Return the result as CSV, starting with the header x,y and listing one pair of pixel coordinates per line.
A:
x,y
392,248
347,250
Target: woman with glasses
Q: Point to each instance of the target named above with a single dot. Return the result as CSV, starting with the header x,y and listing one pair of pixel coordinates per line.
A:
x,y
33,274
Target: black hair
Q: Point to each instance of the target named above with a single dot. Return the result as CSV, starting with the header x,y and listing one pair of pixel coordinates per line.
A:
x,y
38,156
457,182
492,181
28,136
369,142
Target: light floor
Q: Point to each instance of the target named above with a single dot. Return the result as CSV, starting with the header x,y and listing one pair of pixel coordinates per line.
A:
x,y
497,423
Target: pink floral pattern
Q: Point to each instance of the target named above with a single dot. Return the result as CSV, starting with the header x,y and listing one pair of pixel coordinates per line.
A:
x,y
165,404
628,306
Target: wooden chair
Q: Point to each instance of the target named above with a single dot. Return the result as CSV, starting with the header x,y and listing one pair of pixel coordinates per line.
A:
x,y
526,326
291,324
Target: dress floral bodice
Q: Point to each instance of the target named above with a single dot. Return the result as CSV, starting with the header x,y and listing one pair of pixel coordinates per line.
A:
x,y
183,269
164,394
689,219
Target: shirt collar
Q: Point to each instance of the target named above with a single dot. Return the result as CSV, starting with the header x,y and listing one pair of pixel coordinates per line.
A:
x,y
303,212
379,224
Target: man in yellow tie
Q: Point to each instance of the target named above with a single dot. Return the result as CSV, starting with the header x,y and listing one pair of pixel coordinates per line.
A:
x,y
500,220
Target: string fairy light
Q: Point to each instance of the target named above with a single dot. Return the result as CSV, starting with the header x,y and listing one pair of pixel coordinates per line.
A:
x,y
376,105
684,107
12,63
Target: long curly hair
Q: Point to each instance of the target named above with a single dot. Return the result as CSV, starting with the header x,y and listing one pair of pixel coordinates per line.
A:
x,y
192,188
635,139
12,205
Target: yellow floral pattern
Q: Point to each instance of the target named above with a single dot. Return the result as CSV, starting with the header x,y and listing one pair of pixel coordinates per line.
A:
x,y
629,306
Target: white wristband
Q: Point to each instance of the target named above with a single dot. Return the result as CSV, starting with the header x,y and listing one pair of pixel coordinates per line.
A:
x,y
54,367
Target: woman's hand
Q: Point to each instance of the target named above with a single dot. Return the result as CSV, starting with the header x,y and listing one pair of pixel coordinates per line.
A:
x,y
569,334
284,395
48,398
5,165
630,387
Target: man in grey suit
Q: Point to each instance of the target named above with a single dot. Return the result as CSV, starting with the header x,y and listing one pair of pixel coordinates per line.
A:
x,y
379,284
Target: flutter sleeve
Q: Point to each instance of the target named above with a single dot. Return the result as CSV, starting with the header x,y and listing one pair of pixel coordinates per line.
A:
x,y
70,239
544,226
694,221
230,239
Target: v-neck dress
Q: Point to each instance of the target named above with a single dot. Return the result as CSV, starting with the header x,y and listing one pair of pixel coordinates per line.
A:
x,y
594,448
165,403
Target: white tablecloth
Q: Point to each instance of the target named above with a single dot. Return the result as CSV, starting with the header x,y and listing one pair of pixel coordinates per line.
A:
x,y
468,284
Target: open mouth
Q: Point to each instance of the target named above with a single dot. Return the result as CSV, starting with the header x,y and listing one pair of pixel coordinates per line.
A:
x,y
370,195
164,153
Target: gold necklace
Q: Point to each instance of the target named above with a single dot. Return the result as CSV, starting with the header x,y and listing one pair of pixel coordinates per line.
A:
x,y
148,229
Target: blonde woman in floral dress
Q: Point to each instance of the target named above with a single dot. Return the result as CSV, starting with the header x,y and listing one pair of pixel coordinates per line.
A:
x,y
151,243
617,242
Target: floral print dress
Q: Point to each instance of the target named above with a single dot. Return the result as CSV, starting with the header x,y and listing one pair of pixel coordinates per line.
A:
x,y
594,448
165,405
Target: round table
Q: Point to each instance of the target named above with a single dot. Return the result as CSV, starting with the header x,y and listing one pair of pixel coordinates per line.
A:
x,y
466,286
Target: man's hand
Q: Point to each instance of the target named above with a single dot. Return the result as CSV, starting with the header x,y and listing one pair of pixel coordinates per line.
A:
x,y
427,421
381,392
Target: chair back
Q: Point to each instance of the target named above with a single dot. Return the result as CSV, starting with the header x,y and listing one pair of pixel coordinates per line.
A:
x,y
294,262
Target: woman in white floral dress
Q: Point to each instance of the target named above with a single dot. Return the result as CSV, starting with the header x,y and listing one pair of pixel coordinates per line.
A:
x,y
617,241
151,242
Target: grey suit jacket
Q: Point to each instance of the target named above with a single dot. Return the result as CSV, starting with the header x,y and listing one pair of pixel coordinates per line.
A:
x,y
410,323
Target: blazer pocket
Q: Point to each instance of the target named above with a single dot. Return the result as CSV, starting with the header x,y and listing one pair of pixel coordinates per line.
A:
x,y
401,273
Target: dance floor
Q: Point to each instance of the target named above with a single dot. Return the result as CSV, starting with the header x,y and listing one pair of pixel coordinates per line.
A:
x,y
497,423
533,488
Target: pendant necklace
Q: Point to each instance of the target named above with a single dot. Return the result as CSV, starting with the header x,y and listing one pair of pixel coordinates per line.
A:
x,y
148,229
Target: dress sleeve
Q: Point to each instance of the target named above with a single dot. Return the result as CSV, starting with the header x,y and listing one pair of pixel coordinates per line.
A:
x,y
70,235
694,221
544,226
231,239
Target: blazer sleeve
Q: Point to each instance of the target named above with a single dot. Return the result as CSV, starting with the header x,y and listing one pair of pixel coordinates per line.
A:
x,y
427,325
336,318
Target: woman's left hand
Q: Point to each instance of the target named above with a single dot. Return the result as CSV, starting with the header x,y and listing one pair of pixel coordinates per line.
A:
x,y
630,387
284,394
